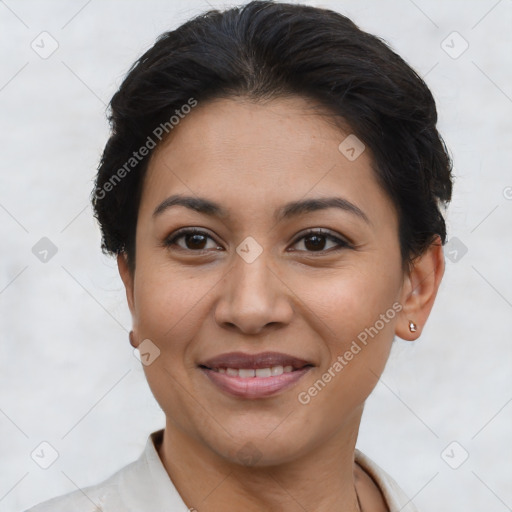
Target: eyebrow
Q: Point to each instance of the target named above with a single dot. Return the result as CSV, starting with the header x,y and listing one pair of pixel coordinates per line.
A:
x,y
287,211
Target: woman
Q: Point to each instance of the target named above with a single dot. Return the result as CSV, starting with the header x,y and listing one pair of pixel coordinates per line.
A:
x,y
272,190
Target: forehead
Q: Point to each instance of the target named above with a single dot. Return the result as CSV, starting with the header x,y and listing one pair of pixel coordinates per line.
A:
x,y
250,156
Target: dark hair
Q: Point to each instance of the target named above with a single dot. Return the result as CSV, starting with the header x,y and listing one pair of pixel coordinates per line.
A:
x,y
266,50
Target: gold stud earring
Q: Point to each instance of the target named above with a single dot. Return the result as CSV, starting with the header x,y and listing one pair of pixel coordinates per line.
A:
x,y
412,326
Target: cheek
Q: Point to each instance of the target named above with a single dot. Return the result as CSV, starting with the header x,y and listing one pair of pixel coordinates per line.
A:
x,y
351,300
357,324
170,311
165,300
169,307
358,330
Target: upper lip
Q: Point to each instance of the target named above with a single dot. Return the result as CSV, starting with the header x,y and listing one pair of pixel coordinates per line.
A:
x,y
261,360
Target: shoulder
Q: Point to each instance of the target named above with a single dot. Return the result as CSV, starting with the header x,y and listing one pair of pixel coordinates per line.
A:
x,y
143,485
396,499
104,496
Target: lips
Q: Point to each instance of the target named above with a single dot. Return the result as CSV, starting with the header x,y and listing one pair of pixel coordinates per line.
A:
x,y
254,376
239,360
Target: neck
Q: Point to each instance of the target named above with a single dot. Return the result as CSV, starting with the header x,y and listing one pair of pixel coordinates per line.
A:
x,y
321,479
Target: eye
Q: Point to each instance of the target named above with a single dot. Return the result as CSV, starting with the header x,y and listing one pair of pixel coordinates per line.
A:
x,y
193,240
196,240
317,240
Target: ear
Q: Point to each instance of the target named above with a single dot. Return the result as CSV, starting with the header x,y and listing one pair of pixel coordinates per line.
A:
x,y
128,281
420,289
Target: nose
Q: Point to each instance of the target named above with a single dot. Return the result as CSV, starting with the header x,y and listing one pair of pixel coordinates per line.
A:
x,y
253,298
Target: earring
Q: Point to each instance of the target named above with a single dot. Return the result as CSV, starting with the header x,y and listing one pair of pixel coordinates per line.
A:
x,y
132,341
412,326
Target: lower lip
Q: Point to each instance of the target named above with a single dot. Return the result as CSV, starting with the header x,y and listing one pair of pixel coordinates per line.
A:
x,y
254,387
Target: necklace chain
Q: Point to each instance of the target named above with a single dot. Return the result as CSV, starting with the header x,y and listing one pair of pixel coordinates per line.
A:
x,y
359,508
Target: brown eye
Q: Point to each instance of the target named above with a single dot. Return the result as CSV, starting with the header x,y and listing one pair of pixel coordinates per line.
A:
x,y
192,240
195,241
316,241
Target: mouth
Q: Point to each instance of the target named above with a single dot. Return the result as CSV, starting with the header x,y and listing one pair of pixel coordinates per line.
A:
x,y
254,376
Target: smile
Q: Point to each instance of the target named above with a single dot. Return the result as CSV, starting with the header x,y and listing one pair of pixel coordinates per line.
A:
x,y
254,376
247,373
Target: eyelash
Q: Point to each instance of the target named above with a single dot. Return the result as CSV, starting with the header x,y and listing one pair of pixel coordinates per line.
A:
x,y
341,244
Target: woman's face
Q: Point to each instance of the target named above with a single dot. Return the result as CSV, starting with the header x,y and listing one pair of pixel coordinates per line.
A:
x,y
254,281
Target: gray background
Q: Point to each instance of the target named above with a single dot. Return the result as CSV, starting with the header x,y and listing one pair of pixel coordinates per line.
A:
x,y
68,373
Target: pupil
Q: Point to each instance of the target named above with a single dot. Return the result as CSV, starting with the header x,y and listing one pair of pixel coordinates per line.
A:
x,y
197,241
319,242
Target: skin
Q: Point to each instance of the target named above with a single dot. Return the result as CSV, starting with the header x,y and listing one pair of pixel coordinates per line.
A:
x,y
251,158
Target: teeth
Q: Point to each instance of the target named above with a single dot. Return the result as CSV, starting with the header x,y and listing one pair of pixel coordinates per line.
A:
x,y
263,372
246,373
276,370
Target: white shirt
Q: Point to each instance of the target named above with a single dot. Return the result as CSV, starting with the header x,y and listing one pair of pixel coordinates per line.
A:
x,y
145,486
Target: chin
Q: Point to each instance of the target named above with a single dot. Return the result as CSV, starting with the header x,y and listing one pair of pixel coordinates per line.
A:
x,y
261,448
